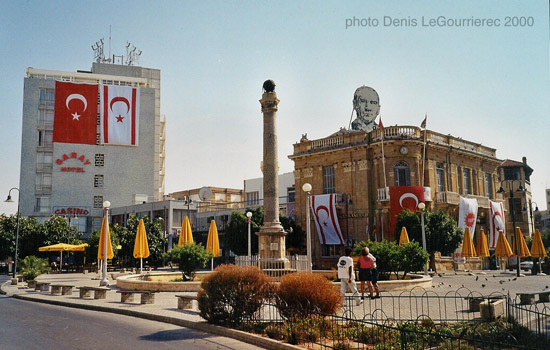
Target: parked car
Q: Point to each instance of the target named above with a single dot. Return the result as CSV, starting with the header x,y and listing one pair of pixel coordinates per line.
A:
x,y
527,265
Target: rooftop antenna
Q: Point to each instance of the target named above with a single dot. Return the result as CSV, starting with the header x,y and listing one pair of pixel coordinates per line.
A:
x,y
109,41
97,47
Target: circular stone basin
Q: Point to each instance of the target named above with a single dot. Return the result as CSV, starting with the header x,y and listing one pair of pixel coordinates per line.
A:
x,y
159,282
164,282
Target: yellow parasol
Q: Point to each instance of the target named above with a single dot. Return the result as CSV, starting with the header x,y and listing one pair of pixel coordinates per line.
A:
x,y
213,243
481,248
186,236
404,238
104,232
502,249
468,250
141,248
520,247
63,247
537,249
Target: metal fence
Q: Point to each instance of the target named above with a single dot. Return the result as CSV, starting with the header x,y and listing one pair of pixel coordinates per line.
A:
x,y
418,319
535,317
272,266
343,331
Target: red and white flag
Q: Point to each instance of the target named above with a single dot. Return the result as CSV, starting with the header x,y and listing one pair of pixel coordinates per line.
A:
x,y
467,213
324,212
119,115
75,113
401,198
496,222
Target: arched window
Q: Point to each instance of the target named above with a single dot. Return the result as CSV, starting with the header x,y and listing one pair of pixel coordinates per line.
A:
x,y
401,174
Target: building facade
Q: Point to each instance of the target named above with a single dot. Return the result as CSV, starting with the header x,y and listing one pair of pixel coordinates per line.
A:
x,y
349,164
515,186
73,179
254,194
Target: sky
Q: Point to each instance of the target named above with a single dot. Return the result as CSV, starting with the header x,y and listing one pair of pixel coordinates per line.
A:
x,y
487,82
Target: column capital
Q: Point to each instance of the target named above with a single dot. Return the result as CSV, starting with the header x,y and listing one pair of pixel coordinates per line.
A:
x,y
269,102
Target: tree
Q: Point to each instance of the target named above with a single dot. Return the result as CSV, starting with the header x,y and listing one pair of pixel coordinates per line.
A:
x,y
236,232
295,238
189,257
442,234
57,230
31,236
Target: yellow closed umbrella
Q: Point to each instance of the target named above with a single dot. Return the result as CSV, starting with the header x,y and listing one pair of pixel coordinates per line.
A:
x,y
468,250
141,248
213,242
502,249
537,249
520,247
404,238
105,234
186,236
482,249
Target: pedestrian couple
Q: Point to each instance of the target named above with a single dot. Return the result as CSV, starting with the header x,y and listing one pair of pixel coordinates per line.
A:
x,y
367,273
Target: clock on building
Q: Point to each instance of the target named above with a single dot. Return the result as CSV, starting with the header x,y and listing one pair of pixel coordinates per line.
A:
x,y
404,150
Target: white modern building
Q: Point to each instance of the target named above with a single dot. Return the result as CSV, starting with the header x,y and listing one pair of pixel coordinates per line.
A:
x,y
254,194
73,179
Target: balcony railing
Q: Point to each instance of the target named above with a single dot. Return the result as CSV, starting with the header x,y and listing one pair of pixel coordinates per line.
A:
x,y
448,197
383,194
327,142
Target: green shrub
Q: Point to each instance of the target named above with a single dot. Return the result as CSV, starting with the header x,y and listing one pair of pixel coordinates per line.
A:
x,y
189,257
32,267
392,258
303,294
232,294
274,331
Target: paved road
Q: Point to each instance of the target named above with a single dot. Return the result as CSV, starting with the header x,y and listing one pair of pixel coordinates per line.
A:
x,y
28,325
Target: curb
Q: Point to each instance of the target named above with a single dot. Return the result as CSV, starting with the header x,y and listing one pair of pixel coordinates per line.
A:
x,y
201,326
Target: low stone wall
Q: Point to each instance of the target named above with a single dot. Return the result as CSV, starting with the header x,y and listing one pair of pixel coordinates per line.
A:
x,y
159,282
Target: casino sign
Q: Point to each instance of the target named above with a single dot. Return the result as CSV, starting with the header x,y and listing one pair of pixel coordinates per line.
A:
x,y
75,211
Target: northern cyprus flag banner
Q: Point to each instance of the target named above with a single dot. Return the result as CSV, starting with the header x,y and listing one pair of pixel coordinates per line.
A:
x,y
119,115
467,213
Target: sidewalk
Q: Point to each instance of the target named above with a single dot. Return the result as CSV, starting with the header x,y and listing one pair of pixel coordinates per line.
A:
x,y
163,310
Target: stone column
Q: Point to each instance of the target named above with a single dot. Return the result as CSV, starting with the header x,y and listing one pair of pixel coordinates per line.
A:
x,y
271,235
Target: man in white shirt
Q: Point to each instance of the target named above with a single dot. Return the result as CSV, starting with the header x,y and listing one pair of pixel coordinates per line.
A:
x,y
347,275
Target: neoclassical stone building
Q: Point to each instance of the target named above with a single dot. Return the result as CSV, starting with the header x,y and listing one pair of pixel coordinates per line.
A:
x,y
349,163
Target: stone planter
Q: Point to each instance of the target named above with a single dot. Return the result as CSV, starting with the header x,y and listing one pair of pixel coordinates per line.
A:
x,y
491,309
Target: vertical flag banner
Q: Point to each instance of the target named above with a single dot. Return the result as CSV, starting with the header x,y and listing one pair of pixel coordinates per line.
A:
x,y
75,113
403,197
326,221
467,213
496,222
119,115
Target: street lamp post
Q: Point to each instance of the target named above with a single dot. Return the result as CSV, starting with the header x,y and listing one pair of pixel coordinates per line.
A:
x,y
531,212
512,211
307,189
104,280
9,200
249,216
422,206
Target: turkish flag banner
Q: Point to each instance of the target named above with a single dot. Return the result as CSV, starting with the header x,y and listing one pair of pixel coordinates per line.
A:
x,y
496,222
326,221
467,213
75,113
119,115
403,197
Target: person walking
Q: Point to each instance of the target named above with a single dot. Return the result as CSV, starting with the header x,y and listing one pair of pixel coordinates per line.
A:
x,y
347,275
364,265
372,281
